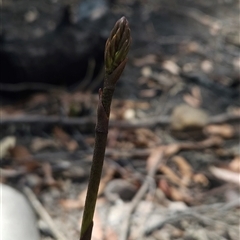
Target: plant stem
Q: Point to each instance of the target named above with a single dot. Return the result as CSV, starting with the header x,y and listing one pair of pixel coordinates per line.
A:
x,y
116,50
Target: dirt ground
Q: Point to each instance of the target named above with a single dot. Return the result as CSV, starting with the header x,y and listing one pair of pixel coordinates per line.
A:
x,y
174,131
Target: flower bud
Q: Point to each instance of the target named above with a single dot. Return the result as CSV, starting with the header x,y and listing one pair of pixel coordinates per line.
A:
x,y
117,45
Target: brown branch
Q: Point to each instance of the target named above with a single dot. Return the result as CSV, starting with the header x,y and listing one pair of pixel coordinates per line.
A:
x,y
41,211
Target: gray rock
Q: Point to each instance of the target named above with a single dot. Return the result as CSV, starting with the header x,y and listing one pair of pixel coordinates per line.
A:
x,y
17,218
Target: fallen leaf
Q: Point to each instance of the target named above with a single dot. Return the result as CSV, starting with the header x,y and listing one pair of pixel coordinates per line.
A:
x,y
223,130
192,101
71,204
171,66
195,98
20,153
185,169
169,173
148,59
164,186
5,144
172,192
39,144
148,93
22,156
136,138
145,138
154,159
213,141
171,149
200,179
226,175
48,177
234,165
65,139
178,195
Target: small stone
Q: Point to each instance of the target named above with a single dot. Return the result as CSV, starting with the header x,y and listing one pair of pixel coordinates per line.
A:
x,y
207,66
146,71
129,114
186,117
172,67
223,130
193,47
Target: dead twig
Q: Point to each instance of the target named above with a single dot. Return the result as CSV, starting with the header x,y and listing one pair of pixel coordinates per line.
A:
x,y
155,158
41,211
90,120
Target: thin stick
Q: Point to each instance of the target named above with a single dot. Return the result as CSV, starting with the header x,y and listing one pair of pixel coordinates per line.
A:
x,y
83,121
156,157
41,211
